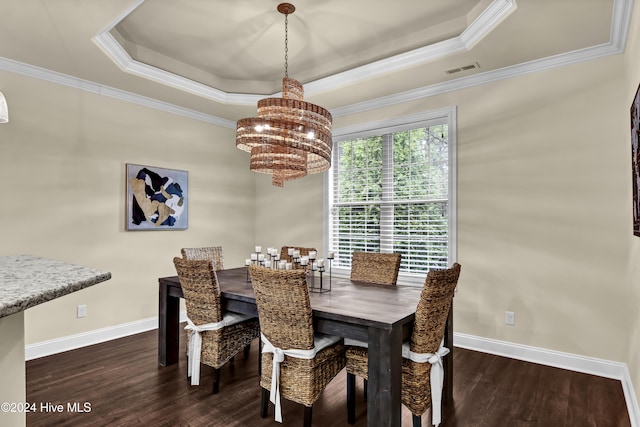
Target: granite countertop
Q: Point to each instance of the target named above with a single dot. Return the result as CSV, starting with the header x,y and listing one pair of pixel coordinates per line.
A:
x,y
26,281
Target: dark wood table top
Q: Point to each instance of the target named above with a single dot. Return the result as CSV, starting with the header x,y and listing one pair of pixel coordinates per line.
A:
x,y
356,302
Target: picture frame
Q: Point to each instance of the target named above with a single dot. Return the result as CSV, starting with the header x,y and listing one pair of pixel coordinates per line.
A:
x,y
156,198
635,160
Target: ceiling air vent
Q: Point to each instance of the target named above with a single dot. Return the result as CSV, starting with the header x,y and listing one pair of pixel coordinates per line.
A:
x,y
464,68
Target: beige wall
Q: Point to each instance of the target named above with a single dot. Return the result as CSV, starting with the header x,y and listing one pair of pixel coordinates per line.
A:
x,y
543,211
62,166
291,215
544,207
632,80
544,203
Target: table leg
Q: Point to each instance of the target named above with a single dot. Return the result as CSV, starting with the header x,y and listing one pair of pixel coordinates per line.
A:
x,y
168,332
385,378
447,392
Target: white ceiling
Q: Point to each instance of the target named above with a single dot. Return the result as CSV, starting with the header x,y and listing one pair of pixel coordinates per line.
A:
x,y
216,58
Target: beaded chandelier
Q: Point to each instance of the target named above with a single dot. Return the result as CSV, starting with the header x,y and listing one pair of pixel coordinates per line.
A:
x,y
290,138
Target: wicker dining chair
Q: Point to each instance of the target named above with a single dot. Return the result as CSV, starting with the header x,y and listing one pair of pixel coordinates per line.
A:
x,y
213,253
426,341
374,267
220,335
284,251
310,360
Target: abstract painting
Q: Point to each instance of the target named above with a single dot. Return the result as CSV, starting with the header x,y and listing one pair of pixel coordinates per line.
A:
x,y
635,160
156,198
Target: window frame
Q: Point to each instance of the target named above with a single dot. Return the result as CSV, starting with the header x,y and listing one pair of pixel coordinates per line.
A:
x,y
373,128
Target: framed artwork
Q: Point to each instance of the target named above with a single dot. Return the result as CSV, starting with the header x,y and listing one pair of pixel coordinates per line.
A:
x,y
156,198
635,160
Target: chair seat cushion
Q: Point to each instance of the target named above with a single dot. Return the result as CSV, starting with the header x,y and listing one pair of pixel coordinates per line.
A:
x,y
406,347
322,341
230,318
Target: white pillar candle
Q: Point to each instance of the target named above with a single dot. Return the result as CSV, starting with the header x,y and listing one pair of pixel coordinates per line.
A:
x,y
289,266
296,254
290,251
258,249
254,257
267,264
320,262
330,255
312,254
304,260
247,261
277,257
282,265
260,257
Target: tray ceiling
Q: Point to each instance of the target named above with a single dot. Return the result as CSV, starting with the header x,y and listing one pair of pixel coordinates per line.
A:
x,y
217,57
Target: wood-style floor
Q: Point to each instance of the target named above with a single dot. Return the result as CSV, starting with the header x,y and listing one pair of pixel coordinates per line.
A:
x,y
122,385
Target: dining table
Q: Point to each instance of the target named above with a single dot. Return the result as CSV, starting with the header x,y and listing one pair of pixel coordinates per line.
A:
x,y
381,315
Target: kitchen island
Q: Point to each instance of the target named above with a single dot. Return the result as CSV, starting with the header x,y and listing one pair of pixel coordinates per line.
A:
x,y
26,281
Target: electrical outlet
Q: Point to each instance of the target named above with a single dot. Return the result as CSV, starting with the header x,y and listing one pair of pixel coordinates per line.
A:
x,y
509,318
81,311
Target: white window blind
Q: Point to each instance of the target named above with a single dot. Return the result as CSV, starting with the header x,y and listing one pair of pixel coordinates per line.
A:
x,y
389,191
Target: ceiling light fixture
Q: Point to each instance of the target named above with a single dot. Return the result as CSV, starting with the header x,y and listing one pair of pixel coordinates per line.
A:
x,y
4,110
290,138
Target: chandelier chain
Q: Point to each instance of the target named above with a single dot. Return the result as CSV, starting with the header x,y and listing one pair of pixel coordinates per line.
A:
x,y
286,45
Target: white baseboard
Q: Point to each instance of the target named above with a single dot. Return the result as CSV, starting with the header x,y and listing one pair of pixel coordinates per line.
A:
x,y
71,342
573,362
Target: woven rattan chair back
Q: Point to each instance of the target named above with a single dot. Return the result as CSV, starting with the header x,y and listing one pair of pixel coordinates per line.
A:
x,y
428,332
200,288
213,253
284,251
373,267
284,309
433,309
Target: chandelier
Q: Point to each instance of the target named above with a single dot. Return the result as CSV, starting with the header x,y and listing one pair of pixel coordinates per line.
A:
x,y
290,138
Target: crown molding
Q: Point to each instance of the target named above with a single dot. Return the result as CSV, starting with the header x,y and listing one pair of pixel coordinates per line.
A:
x,y
110,46
497,11
74,82
480,79
620,22
490,18
619,31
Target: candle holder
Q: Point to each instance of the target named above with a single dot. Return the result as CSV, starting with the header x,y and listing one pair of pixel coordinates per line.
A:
x,y
312,283
330,257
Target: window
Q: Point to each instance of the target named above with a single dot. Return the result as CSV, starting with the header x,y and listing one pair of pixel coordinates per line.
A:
x,y
392,189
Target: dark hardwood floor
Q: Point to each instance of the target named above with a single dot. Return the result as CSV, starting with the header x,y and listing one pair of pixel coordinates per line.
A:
x,y
122,385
